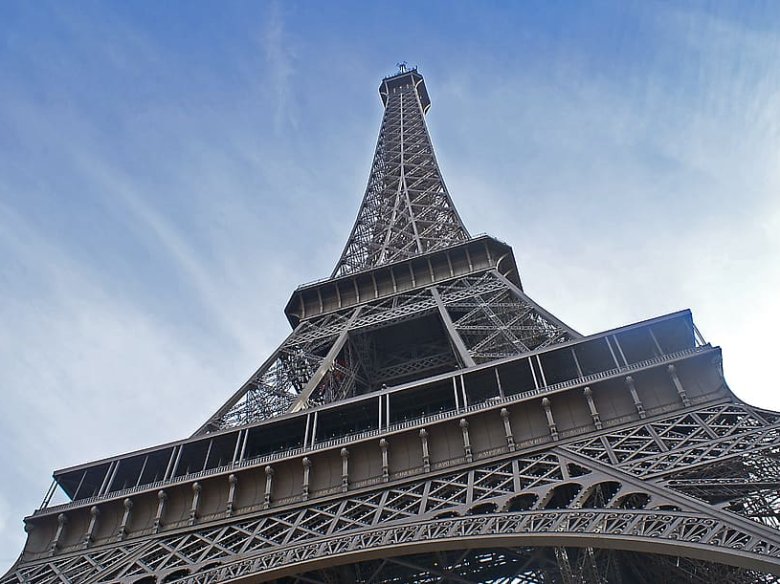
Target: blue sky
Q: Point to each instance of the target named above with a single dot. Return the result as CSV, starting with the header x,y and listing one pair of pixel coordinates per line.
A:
x,y
170,172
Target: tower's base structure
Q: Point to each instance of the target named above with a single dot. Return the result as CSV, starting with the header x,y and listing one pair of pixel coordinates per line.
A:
x,y
426,421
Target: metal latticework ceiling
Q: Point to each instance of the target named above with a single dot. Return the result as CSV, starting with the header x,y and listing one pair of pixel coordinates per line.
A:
x,y
532,566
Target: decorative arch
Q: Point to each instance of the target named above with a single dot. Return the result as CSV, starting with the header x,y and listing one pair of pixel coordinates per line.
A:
x,y
674,533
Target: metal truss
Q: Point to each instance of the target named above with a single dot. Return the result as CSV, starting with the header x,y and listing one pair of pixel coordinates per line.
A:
x,y
406,210
726,455
577,500
484,317
496,319
710,436
532,566
745,484
274,387
280,381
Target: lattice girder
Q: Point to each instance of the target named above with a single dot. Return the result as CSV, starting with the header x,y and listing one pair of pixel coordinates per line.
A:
x,y
714,434
489,502
496,319
637,530
533,566
406,210
491,318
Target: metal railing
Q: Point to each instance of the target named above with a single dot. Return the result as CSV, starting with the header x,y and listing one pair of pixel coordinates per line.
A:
x,y
490,403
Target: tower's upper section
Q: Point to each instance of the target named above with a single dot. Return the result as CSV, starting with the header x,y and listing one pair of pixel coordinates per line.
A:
x,y
406,210
406,77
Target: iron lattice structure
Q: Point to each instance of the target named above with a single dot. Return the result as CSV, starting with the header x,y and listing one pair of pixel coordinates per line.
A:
x,y
426,421
406,210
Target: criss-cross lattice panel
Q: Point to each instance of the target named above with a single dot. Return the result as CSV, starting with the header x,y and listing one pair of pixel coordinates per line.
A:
x,y
359,367
686,529
748,484
684,440
274,387
455,490
496,321
726,455
406,210
550,491
395,309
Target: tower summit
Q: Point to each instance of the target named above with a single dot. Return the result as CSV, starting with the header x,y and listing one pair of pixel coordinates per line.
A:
x,y
406,210
427,421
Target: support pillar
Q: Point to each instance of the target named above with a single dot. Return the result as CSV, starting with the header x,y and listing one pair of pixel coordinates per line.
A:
x,y
344,470
426,454
635,396
162,497
550,420
93,517
384,444
678,385
123,529
62,521
510,439
233,481
592,406
464,427
196,489
306,461
269,477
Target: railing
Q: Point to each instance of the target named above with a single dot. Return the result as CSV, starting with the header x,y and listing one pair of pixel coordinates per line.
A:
x,y
455,244
490,403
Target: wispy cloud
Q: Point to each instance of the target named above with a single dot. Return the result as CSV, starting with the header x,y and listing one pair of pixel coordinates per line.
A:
x,y
74,360
280,58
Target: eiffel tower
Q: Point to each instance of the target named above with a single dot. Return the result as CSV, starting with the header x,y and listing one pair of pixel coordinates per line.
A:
x,y
426,421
